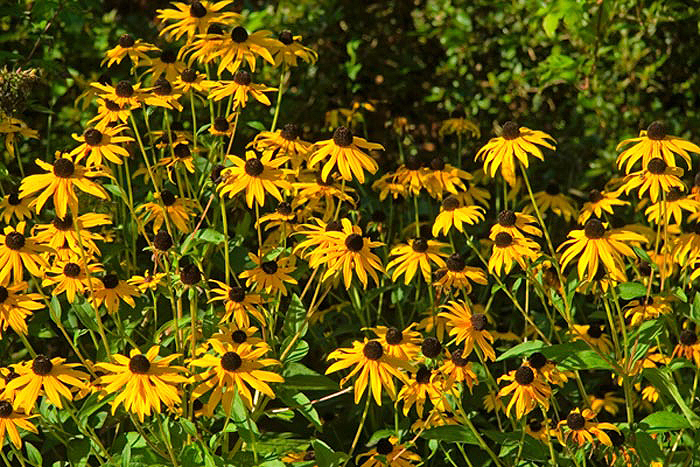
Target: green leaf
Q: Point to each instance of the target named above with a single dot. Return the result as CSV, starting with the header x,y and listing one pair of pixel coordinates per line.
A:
x,y
212,236
550,23
659,422
299,402
297,376
33,454
256,125
663,382
298,351
525,347
630,290
78,451
325,456
188,426
294,318
55,309
643,255
451,434
647,448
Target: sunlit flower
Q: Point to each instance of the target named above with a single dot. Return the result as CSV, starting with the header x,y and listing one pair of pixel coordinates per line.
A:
x,y
256,176
269,276
240,89
508,250
552,199
238,303
454,215
469,328
127,46
189,19
14,206
16,306
528,390
344,152
581,428
110,290
600,202
17,250
421,253
290,50
655,143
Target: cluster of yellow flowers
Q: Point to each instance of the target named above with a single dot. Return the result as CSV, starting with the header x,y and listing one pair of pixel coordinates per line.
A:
x,y
316,238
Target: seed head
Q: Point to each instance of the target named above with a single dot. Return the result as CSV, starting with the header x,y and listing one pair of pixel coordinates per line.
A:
x,y
139,364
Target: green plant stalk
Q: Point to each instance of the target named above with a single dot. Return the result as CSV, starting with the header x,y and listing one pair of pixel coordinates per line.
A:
x,y
227,259
359,429
280,93
194,120
478,437
415,210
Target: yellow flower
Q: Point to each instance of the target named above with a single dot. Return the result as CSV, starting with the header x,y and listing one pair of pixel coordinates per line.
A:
x,y
514,142
442,177
688,347
454,215
552,199
242,45
457,369
581,428
469,328
163,94
14,206
124,94
593,335
17,250
9,421
240,88
515,224
178,211
256,176
396,455
598,203
60,233
658,178
426,386
109,113
458,275
459,126
11,127
270,276
16,307
420,253
70,277
528,391
192,18
110,290
166,64
655,143
238,304
344,152
646,308
127,46
285,141
671,210
508,250
290,49
148,281
403,345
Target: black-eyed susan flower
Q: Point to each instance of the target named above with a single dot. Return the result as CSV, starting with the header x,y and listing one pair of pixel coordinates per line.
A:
x,y
109,113
655,143
189,19
547,368
436,418
285,142
181,156
127,46
671,210
345,152
646,308
60,182
178,210
686,248
539,430
600,202
11,127
241,45
528,390
349,253
403,345
238,303
60,233
191,80
580,427
290,49
163,94
457,369
515,142
283,217
473,194
223,126
124,94
508,250
595,244
515,224
552,199
468,327
166,65
148,281
316,241
50,374
411,175
657,178
17,250
256,176
110,290
420,253
442,177
270,276
143,381
14,206
205,47
688,346
301,456
425,385
459,126
71,277
373,367
234,335
321,194
16,306
593,335
240,88
605,399
454,214
457,275
389,453
10,420
232,371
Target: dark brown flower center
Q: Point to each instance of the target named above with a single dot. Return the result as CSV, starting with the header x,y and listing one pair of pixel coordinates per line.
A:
x,y
231,361
507,218
537,360
239,336
284,208
431,347
112,106
657,166
450,203
63,168
373,350
168,56
92,136
221,124
688,337
162,87
479,321
458,359
163,241
524,375
455,262
167,197
254,167
126,41
575,421
595,196
290,132
110,281
242,77
5,409
393,336
139,364
412,163
285,37
124,89
420,245
674,195
437,164
423,375
384,446
535,425
354,242
71,270
552,189
503,239
594,331
189,75
13,199
236,294
239,34
269,267
197,10
15,241
342,136
3,294
190,274
182,151
656,131
511,130
42,365
594,229
215,29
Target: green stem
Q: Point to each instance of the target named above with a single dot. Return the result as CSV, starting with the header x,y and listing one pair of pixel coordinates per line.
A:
x,y
359,429
280,93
